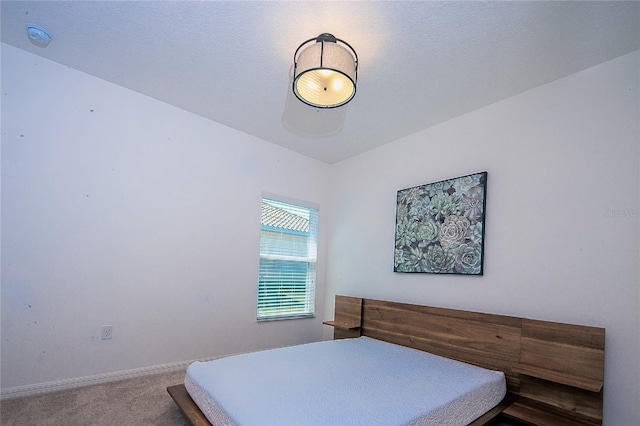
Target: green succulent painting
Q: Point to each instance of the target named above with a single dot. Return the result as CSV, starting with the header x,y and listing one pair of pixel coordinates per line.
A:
x,y
440,226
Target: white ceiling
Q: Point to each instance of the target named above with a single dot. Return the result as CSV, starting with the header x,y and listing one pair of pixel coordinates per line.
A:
x,y
420,62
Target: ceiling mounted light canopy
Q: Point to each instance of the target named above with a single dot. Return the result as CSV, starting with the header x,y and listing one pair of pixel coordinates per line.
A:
x,y
325,72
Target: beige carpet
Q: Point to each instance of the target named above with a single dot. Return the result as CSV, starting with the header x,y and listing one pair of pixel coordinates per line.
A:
x,y
133,402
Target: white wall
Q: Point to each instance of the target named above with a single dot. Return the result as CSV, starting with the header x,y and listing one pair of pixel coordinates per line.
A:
x,y
558,158
119,209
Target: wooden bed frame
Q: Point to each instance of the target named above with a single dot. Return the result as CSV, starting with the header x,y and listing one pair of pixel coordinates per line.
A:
x,y
554,371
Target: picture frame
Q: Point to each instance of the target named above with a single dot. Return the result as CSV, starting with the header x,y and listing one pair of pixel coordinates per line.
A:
x,y
440,227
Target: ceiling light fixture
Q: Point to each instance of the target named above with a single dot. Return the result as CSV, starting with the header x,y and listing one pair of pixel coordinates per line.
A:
x,y
325,72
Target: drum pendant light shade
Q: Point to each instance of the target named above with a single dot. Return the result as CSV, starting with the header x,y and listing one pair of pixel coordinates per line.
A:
x,y
325,72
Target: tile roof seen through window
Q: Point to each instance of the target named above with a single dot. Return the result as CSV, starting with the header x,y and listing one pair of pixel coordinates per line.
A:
x,y
279,218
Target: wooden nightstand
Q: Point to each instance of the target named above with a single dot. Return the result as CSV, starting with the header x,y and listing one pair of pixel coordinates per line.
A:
x,y
348,318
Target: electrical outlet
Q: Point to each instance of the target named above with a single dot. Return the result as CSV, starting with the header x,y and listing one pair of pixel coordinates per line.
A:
x,y
107,332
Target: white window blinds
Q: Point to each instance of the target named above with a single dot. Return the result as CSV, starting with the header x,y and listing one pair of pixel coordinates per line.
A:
x,y
288,247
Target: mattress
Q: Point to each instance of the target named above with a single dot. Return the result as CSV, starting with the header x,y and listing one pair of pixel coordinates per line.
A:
x,y
359,381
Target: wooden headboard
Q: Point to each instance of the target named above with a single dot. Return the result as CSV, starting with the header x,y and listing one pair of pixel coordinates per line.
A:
x,y
556,370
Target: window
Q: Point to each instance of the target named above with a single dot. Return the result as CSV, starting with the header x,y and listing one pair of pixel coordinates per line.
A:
x,y
288,247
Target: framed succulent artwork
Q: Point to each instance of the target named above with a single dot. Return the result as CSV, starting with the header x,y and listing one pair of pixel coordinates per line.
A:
x,y
440,226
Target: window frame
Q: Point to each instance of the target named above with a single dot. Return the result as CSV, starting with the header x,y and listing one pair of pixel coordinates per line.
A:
x,y
310,259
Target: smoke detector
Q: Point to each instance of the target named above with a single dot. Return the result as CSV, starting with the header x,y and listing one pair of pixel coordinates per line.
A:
x,y
38,35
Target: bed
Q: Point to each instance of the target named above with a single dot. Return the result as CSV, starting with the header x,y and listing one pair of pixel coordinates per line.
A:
x,y
392,363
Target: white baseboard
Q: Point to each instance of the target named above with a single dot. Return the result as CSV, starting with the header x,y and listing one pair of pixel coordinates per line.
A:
x,y
58,385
